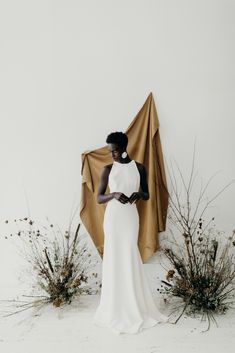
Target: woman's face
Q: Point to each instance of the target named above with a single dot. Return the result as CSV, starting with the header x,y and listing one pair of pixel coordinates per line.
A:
x,y
115,151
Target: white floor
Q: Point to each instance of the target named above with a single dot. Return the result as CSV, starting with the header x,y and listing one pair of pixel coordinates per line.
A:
x,y
70,330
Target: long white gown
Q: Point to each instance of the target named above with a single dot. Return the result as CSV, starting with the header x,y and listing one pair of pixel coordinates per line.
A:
x,y
126,302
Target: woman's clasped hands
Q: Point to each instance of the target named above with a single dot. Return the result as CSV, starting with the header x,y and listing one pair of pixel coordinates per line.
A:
x,y
135,196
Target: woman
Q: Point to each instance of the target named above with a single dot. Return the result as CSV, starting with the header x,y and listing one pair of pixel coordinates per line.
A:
x,y
126,304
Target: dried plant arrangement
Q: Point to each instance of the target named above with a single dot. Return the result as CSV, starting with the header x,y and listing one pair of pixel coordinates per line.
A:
x,y
61,266
201,263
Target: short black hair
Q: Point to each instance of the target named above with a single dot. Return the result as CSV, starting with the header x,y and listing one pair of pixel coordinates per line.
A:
x,y
119,138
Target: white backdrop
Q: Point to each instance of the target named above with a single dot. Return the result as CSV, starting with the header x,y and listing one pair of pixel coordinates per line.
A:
x,y
73,71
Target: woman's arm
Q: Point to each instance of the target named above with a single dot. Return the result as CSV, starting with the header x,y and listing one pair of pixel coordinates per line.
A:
x,y
144,192
101,196
143,183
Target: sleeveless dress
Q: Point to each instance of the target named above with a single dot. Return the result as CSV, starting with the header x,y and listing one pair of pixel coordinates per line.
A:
x,y
126,302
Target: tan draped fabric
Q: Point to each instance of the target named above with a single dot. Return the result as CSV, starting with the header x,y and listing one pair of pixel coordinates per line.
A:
x,y
144,146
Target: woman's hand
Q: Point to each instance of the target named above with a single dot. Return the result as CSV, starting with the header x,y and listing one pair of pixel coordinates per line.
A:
x,y
135,196
120,197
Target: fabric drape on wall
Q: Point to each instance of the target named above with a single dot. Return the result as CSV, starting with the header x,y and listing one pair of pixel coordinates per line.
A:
x,y
144,146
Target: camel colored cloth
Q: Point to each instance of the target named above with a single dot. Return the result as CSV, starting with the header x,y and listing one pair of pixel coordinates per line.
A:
x,y
144,146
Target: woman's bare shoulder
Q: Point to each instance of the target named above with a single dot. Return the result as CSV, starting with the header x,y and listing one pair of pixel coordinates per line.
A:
x,y
106,168
140,165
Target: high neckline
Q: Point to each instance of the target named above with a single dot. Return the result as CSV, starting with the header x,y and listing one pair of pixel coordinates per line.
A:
x,y
123,163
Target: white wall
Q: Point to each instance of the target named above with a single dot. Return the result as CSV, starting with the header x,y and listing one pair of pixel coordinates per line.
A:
x,y
73,71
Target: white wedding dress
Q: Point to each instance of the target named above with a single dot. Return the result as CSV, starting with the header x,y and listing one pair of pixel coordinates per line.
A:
x,y
126,303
